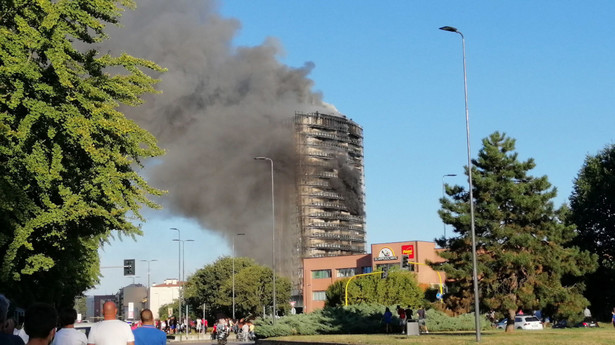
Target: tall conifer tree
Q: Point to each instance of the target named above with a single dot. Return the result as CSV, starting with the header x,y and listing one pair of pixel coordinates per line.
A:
x,y
593,212
521,239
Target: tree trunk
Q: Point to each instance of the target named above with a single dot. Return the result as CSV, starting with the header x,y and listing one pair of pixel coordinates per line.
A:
x,y
510,325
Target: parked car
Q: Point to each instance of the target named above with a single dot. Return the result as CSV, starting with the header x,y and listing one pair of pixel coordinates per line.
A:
x,y
529,322
501,324
587,323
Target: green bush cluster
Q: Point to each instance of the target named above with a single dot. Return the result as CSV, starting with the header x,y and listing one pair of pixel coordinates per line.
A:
x,y
439,321
356,319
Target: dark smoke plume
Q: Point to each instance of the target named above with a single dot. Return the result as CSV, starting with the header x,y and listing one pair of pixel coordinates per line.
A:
x,y
348,184
221,106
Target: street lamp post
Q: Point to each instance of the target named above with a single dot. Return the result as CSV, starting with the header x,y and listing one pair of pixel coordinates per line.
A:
x,y
148,276
179,272
273,313
240,234
183,277
472,229
443,176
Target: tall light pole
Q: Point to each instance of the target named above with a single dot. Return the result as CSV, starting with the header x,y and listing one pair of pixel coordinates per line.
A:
x,y
273,313
474,263
443,176
179,272
148,276
182,277
240,234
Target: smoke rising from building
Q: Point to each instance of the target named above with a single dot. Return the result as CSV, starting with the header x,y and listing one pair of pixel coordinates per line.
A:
x,y
221,106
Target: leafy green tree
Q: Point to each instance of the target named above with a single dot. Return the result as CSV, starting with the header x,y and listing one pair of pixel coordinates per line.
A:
x,y
593,212
163,310
521,239
81,306
212,286
254,291
68,157
399,288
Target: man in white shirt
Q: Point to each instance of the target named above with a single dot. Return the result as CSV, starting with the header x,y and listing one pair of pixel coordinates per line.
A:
x,y
110,331
68,335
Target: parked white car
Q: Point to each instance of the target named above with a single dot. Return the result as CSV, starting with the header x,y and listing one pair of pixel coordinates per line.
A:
x,y
530,322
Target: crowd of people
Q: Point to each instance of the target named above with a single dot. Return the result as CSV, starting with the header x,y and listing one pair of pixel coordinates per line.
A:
x,y
172,326
43,325
243,329
404,315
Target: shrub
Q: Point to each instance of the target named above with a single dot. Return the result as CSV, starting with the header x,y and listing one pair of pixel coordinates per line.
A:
x,y
439,321
356,319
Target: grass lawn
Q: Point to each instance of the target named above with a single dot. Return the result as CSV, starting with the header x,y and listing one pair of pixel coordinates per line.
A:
x,y
602,335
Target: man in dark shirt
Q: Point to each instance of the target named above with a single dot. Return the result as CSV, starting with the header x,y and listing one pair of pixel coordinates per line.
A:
x,y
409,313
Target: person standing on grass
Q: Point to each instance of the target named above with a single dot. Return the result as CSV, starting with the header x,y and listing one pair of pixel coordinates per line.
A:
x,y
387,317
401,313
409,313
422,317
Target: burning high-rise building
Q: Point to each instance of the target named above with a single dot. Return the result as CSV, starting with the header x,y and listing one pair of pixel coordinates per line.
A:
x,y
327,216
330,185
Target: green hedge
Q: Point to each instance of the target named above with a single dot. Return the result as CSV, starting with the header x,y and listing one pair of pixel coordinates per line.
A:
x,y
356,319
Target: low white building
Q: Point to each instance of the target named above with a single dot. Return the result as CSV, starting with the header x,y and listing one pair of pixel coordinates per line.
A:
x,y
161,294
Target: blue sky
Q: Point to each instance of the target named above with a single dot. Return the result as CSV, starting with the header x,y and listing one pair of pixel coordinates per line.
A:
x,y
542,72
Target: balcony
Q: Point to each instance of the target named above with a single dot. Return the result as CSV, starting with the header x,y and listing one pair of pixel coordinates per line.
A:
x,y
338,237
325,195
333,205
325,135
314,182
336,215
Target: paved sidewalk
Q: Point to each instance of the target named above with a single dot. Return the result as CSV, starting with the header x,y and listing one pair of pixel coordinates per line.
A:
x,y
191,337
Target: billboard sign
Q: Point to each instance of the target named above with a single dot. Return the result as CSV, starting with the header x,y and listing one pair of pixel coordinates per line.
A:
x,y
385,254
408,250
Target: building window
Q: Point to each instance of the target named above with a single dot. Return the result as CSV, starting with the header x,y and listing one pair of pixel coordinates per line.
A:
x,y
319,296
366,269
321,274
345,272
